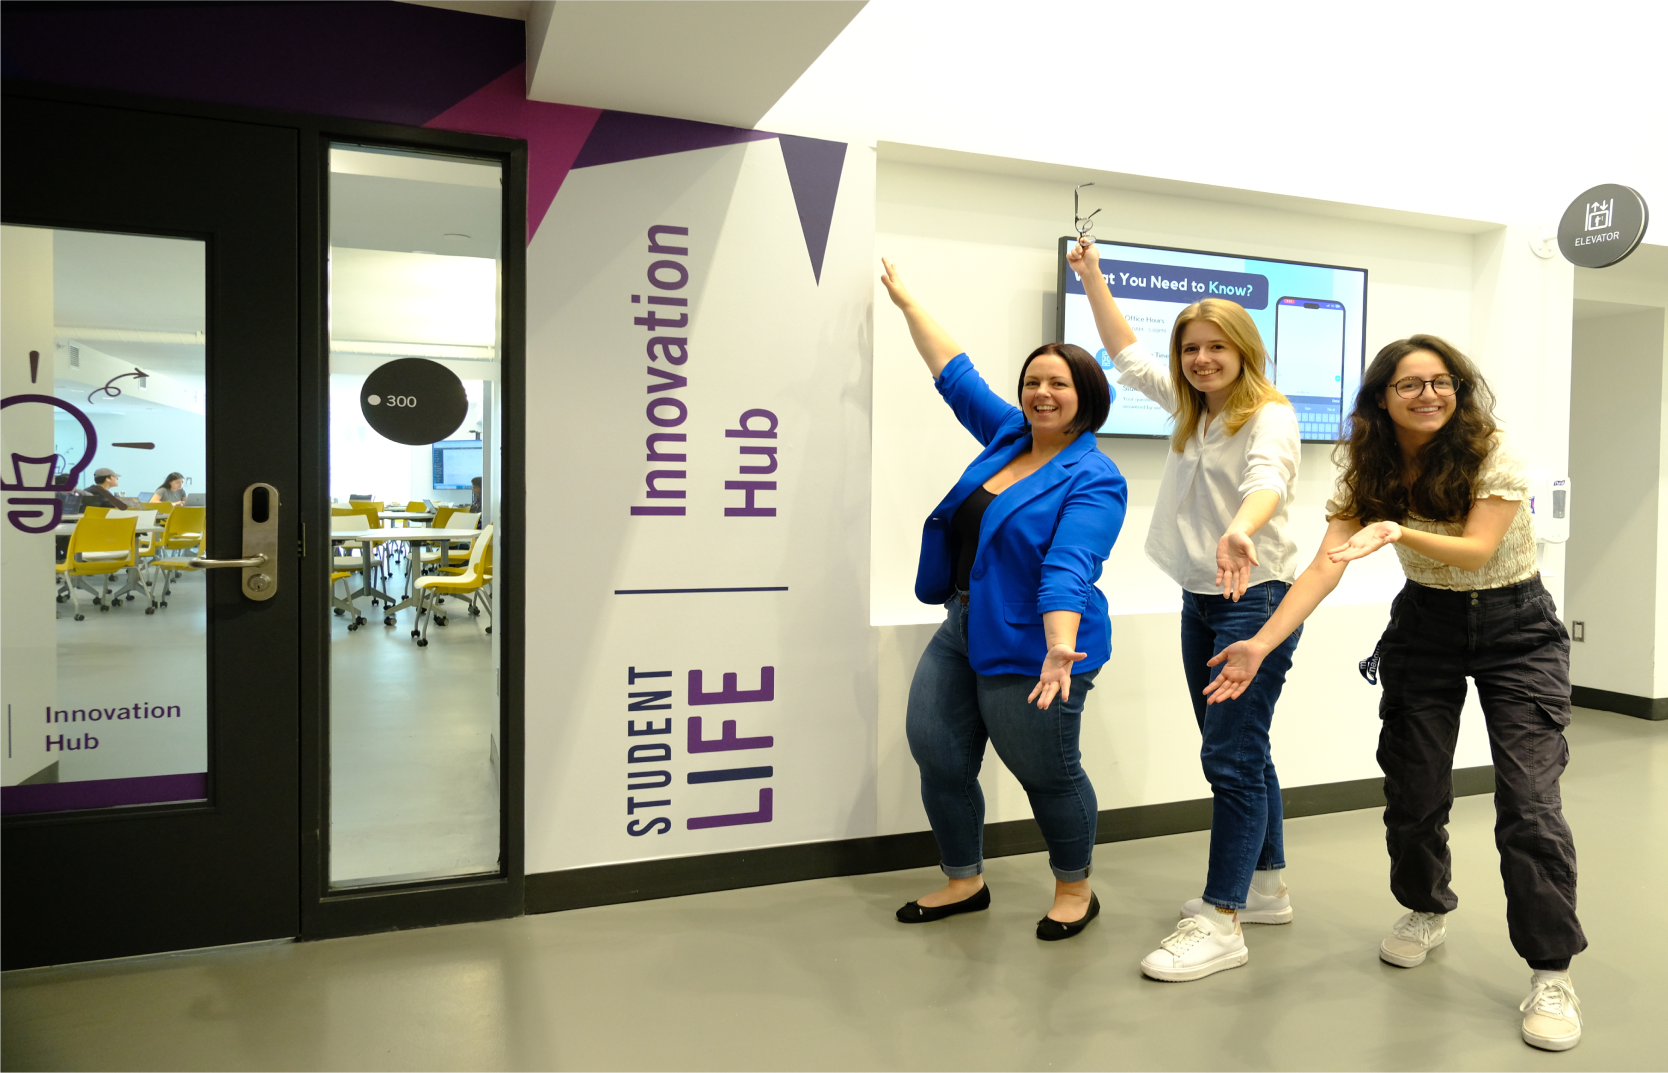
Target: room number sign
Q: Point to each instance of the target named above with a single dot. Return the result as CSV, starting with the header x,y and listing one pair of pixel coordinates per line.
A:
x,y
414,401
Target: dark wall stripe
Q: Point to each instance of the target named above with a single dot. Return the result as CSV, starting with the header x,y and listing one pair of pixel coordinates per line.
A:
x,y
576,888
1621,703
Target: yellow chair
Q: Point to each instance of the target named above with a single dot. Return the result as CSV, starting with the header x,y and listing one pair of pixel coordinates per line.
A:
x,y
180,541
102,546
455,519
474,576
144,518
349,559
344,606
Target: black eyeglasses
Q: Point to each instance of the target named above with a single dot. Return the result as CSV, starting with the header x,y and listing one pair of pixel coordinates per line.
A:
x,y
1412,387
1084,224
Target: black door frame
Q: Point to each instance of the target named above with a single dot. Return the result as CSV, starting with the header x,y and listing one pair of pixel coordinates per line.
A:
x,y
323,913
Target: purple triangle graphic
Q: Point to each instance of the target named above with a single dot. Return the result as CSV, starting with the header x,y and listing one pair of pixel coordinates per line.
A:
x,y
814,174
620,136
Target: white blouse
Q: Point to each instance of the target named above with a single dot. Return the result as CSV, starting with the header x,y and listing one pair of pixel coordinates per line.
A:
x,y
1501,474
1204,485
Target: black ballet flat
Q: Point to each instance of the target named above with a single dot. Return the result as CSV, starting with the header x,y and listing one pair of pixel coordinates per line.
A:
x,y
915,913
1050,930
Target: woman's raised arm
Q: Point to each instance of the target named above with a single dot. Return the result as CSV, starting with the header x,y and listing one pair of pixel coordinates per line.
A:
x,y
1115,333
934,343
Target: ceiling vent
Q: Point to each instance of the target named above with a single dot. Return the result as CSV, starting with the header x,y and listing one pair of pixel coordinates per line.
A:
x,y
75,357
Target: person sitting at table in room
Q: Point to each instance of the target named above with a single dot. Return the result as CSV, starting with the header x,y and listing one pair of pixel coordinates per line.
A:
x,y
1013,553
171,491
475,496
101,492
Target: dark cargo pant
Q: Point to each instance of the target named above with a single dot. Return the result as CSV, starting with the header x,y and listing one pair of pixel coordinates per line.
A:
x,y
1511,643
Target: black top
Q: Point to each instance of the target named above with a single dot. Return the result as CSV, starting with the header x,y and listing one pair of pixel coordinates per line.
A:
x,y
965,525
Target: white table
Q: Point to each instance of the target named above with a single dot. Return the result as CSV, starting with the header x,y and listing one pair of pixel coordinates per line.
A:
x,y
416,535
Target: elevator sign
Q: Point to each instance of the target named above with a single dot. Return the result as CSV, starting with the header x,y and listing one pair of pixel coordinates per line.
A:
x,y
1602,226
414,401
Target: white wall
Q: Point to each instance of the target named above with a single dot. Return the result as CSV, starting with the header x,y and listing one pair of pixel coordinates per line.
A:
x,y
978,249
1425,106
1616,450
1619,513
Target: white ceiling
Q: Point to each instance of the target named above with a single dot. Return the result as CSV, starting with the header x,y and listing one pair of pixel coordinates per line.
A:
x,y
717,61
1480,111
1464,110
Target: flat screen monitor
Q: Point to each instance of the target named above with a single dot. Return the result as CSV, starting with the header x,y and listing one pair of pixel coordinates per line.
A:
x,y
1312,319
456,463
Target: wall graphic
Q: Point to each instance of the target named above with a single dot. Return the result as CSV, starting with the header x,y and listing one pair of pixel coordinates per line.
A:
x,y
701,669
699,324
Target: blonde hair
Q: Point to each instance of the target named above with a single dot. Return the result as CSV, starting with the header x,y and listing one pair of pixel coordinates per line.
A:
x,y
1251,391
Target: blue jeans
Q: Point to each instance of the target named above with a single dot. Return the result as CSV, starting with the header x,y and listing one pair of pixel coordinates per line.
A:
x,y
953,711
1245,823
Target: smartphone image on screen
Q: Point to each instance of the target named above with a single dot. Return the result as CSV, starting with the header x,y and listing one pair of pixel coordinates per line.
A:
x,y
1309,363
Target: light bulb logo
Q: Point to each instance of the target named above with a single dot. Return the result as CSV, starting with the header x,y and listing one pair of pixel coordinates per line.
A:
x,y
41,473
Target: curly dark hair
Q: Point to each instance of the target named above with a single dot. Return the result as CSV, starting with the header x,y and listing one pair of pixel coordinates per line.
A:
x,y
1375,485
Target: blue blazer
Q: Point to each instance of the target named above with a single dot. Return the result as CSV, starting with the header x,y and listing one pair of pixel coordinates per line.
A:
x,y
1041,543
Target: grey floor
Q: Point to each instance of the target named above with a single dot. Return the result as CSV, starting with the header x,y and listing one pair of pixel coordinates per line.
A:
x,y
414,782
817,975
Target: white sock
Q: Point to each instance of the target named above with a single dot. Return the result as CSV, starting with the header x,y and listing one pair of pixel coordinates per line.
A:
x,y
1224,919
1268,883
1543,975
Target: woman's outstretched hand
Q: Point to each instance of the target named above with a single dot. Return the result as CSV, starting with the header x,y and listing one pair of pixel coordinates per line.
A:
x,y
1055,678
1236,554
1239,663
895,285
1368,540
1083,257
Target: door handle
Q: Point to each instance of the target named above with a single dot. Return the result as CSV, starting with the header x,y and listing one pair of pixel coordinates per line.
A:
x,y
212,564
260,544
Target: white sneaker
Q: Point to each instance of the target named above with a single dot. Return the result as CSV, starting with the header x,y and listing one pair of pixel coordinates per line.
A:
x,y
1197,948
1259,908
1551,1015
1412,937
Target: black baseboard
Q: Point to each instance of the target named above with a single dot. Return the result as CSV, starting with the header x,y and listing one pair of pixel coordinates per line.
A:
x,y
1621,703
609,884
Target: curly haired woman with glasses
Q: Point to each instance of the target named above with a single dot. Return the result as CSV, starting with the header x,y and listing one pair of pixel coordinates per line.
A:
x,y
1427,469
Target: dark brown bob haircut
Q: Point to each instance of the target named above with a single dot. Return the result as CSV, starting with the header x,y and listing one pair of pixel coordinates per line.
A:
x,y
1088,379
1373,487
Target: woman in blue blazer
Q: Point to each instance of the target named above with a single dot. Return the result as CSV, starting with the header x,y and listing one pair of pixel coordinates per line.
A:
x,y
1013,553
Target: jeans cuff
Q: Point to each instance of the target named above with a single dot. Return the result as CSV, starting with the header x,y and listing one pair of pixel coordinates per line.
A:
x,y
1076,875
963,871
1235,906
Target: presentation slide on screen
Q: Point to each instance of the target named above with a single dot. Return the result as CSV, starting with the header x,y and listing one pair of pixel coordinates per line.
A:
x,y
1311,318
456,463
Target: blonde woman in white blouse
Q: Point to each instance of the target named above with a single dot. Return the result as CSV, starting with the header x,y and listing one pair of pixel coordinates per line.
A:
x,y
1428,471
1220,530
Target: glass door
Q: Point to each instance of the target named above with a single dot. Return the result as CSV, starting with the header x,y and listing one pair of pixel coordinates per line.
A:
x,y
415,738
149,368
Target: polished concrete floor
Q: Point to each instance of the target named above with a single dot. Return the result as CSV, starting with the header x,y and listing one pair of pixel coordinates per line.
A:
x,y
817,975
413,775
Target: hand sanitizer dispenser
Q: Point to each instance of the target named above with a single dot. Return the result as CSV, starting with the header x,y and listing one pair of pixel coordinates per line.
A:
x,y
1549,502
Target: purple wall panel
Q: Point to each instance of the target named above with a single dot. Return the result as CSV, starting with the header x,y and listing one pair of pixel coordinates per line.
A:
x,y
555,133
629,136
814,169
398,63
